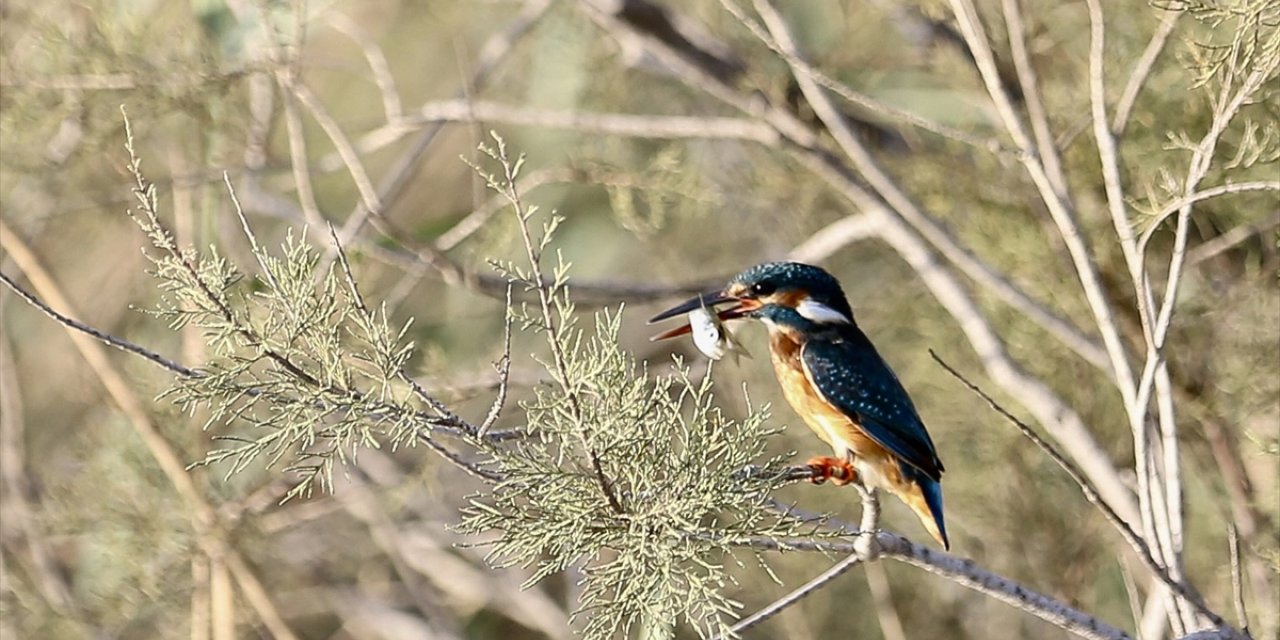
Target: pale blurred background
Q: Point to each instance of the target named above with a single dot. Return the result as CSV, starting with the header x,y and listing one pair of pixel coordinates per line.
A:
x,y
97,543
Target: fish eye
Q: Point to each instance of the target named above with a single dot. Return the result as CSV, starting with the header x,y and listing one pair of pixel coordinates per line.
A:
x,y
763,288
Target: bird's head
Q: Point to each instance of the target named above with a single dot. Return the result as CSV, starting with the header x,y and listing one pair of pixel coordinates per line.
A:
x,y
789,294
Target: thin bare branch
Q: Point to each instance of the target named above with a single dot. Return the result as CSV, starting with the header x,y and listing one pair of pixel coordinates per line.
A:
x,y
1108,152
1141,71
378,65
963,572
654,126
298,164
222,603
1134,598
504,371
118,343
801,67
201,598
494,51
882,597
370,201
257,596
1237,584
1186,592
828,240
795,596
1231,239
474,221
1159,496
1045,146
458,461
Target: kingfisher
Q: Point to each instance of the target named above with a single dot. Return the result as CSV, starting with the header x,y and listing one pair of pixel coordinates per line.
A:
x,y
834,378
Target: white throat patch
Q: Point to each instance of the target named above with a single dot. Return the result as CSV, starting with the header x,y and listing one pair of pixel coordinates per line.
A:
x,y
820,313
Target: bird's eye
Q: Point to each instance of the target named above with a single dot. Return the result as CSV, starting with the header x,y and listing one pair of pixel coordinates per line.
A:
x,y
762,289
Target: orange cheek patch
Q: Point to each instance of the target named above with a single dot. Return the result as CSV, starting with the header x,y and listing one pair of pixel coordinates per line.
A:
x,y
790,299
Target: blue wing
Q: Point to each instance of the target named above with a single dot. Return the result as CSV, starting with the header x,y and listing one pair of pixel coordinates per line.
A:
x,y
851,375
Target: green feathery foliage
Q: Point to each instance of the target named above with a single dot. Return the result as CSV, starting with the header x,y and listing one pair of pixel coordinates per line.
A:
x,y
1246,37
1236,63
673,461
638,479
296,354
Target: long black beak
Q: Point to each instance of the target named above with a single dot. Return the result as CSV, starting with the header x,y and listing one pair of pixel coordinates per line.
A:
x,y
708,299
740,308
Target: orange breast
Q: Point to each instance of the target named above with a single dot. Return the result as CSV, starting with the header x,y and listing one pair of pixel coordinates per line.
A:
x,y
835,428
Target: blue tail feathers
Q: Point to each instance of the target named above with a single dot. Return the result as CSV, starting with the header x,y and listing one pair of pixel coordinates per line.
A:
x,y
931,491
933,496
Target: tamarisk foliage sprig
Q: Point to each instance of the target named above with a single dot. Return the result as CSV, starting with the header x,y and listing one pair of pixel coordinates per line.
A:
x,y
295,354
633,477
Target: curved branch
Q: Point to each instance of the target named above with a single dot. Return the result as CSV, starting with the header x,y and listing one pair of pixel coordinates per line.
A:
x,y
1190,199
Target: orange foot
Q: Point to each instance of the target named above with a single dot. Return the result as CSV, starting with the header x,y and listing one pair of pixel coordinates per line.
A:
x,y
837,470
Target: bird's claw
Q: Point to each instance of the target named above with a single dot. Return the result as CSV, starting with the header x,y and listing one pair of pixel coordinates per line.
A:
x,y
840,472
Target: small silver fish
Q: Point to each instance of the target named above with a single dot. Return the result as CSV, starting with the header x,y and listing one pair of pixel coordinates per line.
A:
x,y
712,337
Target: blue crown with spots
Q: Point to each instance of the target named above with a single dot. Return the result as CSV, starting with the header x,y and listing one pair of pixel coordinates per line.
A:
x,y
820,285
